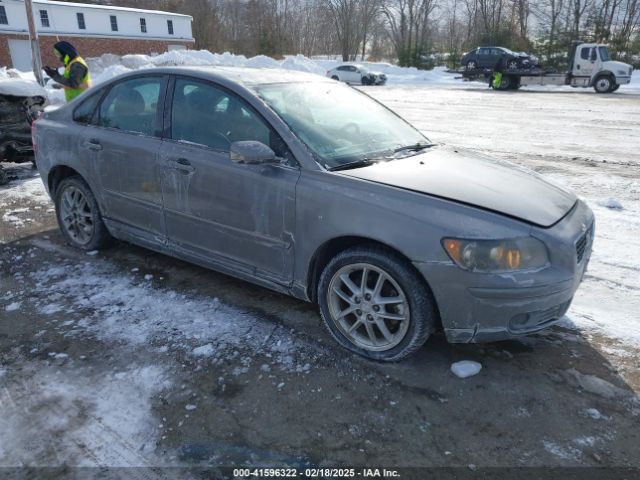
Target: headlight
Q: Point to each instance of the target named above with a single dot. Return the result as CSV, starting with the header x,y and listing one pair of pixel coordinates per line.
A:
x,y
497,255
623,72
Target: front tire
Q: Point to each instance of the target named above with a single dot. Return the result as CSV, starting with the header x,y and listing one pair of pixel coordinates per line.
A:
x,y
603,84
374,303
78,215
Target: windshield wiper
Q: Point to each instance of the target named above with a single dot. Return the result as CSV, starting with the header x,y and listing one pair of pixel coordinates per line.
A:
x,y
414,147
365,162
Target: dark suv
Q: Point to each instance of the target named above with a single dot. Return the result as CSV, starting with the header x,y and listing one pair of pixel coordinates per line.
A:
x,y
487,57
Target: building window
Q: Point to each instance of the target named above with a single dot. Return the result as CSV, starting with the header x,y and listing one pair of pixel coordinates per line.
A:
x,y
81,24
143,25
3,16
44,18
114,23
170,26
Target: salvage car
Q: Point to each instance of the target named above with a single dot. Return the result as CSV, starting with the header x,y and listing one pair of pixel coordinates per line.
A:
x,y
20,103
357,75
487,57
311,188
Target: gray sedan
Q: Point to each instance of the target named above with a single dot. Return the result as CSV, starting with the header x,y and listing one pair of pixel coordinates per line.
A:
x,y
311,188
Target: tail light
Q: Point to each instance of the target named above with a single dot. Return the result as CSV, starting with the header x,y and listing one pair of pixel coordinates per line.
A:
x,y
34,130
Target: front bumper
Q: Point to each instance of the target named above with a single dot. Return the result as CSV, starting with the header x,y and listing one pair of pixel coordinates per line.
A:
x,y
480,307
620,80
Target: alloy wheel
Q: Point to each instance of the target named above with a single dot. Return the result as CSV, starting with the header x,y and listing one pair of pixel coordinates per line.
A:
x,y
76,215
368,307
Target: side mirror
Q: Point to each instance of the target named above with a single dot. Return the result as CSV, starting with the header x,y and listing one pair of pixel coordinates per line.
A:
x,y
251,152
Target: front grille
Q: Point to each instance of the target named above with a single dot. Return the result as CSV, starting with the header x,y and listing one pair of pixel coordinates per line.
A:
x,y
582,243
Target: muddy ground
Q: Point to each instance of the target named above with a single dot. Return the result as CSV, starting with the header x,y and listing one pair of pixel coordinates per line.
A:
x,y
129,358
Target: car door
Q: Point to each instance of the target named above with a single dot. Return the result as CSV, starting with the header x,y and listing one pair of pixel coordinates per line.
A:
x,y
232,215
344,74
123,143
484,58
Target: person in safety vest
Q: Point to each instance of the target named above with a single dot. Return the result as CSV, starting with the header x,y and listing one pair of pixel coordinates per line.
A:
x,y
76,78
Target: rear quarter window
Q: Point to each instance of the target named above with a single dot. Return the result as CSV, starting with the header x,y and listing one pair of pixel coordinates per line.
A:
x,y
84,112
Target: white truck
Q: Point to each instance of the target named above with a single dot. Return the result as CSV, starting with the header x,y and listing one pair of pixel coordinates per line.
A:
x,y
590,65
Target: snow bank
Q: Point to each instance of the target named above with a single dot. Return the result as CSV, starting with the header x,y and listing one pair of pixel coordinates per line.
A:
x,y
465,368
19,87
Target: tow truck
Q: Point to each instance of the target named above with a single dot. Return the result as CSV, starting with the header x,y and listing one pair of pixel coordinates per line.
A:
x,y
590,65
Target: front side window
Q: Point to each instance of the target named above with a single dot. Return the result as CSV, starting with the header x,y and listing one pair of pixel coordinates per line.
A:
x,y
604,54
339,124
3,16
132,106
143,25
114,23
209,116
584,53
81,24
44,18
170,26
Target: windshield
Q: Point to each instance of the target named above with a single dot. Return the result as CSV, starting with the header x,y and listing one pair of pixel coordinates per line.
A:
x,y
339,124
604,54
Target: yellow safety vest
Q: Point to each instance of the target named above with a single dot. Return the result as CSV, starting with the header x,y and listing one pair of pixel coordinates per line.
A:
x,y
69,92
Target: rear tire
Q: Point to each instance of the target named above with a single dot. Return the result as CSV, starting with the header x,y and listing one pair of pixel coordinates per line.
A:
x,y
374,303
79,216
335,77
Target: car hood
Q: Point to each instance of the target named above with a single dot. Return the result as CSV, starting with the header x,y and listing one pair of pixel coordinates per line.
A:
x,y
472,179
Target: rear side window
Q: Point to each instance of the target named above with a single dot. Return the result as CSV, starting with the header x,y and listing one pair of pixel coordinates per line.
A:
x,y
132,106
84,112
3,16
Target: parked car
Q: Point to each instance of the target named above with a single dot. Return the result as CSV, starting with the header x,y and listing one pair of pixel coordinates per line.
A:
x,y
357,75
20,103
311,188
487,57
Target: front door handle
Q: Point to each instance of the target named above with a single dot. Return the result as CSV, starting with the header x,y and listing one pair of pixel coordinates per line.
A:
x,y
182,164
93,144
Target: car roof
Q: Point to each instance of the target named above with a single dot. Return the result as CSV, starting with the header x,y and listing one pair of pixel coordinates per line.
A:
x,y
248,76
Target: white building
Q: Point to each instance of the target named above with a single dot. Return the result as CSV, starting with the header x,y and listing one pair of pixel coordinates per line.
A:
x,y
93,29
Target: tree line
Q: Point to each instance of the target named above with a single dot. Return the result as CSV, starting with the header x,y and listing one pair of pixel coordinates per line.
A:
x,y
412,32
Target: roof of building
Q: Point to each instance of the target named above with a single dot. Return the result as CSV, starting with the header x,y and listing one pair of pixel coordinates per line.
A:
x,y
106,7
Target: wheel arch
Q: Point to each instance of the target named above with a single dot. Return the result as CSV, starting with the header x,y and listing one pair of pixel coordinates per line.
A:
x,y
329,249
603,73
59,173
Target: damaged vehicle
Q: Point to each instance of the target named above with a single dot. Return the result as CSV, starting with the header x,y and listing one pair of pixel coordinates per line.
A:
x,y
354,74
312,188
20,103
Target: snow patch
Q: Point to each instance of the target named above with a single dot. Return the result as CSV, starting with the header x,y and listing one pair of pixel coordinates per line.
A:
x,y
612,203
465,368
12,307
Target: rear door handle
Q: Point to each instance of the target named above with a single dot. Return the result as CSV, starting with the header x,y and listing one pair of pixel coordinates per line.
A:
x,y
93,144
182,164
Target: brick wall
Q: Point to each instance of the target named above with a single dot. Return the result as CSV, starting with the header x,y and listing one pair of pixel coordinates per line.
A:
x,y
89,47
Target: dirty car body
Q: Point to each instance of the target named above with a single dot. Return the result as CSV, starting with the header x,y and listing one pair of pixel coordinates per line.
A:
x,y
419,233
